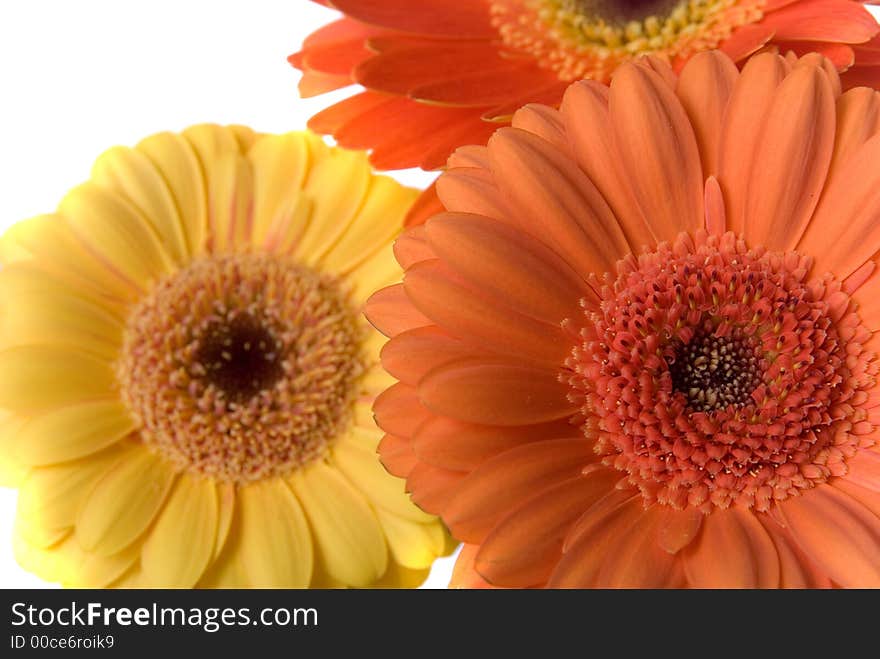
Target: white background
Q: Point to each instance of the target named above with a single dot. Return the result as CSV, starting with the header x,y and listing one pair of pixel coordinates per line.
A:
x,y
79,76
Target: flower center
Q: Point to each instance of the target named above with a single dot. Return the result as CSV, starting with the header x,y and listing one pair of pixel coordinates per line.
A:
x,y
712,373
591,38
240,357
241,367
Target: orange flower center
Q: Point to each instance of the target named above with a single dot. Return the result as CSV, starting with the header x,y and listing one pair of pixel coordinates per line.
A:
x,y
241,367
713,374
591,38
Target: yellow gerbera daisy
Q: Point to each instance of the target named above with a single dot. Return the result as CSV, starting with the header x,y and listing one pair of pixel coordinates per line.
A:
x,y
186,378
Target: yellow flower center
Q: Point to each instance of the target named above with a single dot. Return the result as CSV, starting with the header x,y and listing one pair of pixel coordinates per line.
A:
x,y
591,38
242,367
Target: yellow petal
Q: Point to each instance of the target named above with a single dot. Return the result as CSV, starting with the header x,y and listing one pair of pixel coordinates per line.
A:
x,y
245,136
378,271
347,533
50,497
280,164
55,248
124,502
68,564
55,316
181,542
117,233
176,160
378,222
336,185
273,539
413,545
230,198
398,576
131,174
290,225
68,433
25,280
40,377
376,380
226,509
363,469
228,183
11,248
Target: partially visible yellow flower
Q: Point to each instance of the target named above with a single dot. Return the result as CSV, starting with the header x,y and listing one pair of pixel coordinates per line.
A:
x,y
186,377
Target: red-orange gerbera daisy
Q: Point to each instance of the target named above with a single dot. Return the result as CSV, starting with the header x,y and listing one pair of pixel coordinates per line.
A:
x,y
639,348
442,73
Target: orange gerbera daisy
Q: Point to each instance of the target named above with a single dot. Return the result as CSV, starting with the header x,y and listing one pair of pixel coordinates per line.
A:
x,y
638,349
442,73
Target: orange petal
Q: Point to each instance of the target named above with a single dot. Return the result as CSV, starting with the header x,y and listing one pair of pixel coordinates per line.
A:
x,y
397,455
398,410
858,119
409,356
481,321
432,487
716,217
844,232
637,561
863,469
704,88
501,484
527,276
838,533
743,123
795,569
585,114
676,528
545,122
472,190
391,312
657,149
583,559
456,445
557,200
496,393
412,247
790,160
732,551
463,573
526,545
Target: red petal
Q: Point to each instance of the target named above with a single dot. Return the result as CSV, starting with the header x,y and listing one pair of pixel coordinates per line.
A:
x,y
425,206
840,21
450,18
